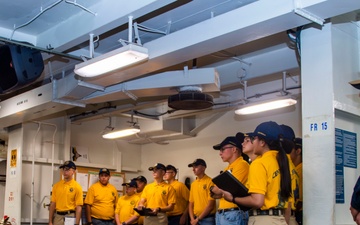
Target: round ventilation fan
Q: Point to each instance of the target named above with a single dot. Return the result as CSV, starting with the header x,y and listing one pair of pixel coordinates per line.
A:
x,y
190,100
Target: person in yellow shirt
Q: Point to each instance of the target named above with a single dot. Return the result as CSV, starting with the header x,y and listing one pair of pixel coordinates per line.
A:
x,y
158,196
100,200
141,182
296,157
269,179
230,149
179,215
289,145
66,197
202,206
124,212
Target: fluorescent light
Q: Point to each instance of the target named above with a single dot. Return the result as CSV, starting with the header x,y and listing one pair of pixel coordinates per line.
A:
x,y
122,133
122,57
265,106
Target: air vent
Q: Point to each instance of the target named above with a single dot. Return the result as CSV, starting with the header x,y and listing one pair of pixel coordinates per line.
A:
x,y
190,98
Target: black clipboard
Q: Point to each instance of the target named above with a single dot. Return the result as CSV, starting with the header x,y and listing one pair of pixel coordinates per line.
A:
x,y
145,212
227,182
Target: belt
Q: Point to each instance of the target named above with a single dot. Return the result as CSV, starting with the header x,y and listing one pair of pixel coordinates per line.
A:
x,y
270,212
65,212
208,216
228,210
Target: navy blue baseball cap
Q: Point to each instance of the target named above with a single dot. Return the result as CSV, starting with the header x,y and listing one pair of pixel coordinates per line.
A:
x,y
69,164
269,131
158,166
228,140
288,132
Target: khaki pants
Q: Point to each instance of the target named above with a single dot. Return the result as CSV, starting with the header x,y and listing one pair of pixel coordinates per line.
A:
x,y
293,221
59,219
266,220
159,219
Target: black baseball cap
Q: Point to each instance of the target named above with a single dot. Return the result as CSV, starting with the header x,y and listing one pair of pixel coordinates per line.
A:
x,y
132,183
298,142
158,166
171,167
197,162
69,164
229,140
104,170
140,178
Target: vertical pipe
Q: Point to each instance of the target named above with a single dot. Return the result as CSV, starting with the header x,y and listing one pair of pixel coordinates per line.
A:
x,y
33,165
130,29
91,45
284,83
33,175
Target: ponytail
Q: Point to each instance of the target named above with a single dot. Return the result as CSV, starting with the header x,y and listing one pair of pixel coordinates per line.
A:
x,y
282,159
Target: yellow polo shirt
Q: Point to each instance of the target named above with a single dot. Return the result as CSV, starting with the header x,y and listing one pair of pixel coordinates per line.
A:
x,y
182,198
102,200
67,195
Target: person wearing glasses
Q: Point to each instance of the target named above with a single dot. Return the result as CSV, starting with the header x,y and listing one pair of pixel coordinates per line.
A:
x,y
269,179
158,196
202,205
66,197
180,213
230,151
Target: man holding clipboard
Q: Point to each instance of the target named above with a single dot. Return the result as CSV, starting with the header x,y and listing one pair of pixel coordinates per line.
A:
x,y
229,213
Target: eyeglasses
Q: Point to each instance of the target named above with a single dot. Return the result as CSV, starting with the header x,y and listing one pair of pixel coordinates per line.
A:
x,y
169,172
224,148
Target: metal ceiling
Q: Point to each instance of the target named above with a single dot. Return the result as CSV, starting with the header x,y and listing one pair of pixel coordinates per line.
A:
x,y
242,40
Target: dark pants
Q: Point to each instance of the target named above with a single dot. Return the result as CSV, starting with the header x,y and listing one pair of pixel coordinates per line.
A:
x,y
101,222
298,217
174,220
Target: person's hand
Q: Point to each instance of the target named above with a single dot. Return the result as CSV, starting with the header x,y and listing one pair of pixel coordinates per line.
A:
x,y
354,213
227,196
140,207
194,221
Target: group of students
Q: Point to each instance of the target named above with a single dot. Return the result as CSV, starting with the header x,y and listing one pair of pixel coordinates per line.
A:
x,y
267,160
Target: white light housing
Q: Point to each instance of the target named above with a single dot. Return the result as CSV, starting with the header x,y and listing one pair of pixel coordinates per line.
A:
x,y
120,58
121,133
265,106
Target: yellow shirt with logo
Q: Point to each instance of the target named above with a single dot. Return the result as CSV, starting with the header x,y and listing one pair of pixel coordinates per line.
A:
x,y
67,195
240,170
264,178
125,207
141,218
102,199
182,198
200,194
158,195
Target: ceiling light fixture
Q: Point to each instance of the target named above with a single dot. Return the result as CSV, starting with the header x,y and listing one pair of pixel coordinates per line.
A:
x,y
113,134
123,57
265,106
122,133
